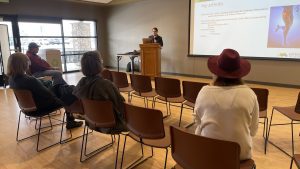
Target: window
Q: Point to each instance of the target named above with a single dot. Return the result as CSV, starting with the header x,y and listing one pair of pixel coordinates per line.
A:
x,y
79,37
72,38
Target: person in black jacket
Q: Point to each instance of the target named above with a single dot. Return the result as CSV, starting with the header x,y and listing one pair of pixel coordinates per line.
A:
x,y
156,38
44,98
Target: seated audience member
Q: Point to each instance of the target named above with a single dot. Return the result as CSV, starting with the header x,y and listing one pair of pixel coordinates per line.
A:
x,y
228,109
40,68
95,87
45,99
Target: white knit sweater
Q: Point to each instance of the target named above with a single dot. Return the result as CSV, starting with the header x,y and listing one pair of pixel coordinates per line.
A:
x,y
228,113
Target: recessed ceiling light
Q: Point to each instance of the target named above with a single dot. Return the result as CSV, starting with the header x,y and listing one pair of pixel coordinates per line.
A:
x,y
6,1
98,1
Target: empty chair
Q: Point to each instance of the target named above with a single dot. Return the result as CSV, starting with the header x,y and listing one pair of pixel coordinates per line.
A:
x,y
262,98
146,127
98,115
169,91
190,93
142,87
196,152
291,112
121,81
106,74
28,107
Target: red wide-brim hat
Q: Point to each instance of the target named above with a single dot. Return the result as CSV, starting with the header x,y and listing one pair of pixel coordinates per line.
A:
x,y
229,65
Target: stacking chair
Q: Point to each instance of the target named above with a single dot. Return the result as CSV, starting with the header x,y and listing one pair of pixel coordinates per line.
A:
x,y
77,108
142,87
146,127
296,157
98,114
190,93
28,107
196,152
168,91
106,74
289,112
121,81
262,97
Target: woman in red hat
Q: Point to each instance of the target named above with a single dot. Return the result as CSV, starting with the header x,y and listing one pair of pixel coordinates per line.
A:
x,y
228,109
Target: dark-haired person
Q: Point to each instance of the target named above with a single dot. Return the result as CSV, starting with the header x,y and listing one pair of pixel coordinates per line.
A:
x,y
93,86
39,67
155,38
45,99
228,109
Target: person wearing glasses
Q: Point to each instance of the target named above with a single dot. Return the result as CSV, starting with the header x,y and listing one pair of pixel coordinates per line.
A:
x,y
155,38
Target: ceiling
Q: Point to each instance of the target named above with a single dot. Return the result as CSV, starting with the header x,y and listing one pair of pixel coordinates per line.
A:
x,y
103,2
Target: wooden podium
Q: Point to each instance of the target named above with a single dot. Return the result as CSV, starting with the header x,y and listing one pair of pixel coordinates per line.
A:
x,y
150,59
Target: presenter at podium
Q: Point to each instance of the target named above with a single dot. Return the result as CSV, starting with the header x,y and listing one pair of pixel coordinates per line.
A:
x,y
155,38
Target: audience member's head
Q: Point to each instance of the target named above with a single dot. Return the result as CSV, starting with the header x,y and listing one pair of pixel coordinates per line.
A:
x,y
155,31
33,47
91,63
229,68
18,64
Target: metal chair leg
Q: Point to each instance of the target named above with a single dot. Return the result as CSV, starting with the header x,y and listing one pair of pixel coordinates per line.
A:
x,y
266,139
291,165
292,130
123,152
269,130
84,146
180,114
116,162
17,138
166,158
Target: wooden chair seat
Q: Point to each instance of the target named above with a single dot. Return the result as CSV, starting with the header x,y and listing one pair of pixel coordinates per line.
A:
x,y
263,114
289,112
188,103
172,99
159,143
126,89
146,94
248,164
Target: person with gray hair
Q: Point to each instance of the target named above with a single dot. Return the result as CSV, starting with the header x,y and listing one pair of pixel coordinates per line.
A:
x,y
93,86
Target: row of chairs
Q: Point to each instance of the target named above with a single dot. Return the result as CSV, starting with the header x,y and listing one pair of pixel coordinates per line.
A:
x,y
169,91
147,128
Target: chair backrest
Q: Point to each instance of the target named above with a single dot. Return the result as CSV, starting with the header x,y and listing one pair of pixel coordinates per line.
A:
x,y
141,83
75,107
106,74
193,152
98,113
120,79
144,123
191,90
25,100
297,107
262,98
167,87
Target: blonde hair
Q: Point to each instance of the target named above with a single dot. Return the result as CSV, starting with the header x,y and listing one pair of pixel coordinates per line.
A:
x,y
17,64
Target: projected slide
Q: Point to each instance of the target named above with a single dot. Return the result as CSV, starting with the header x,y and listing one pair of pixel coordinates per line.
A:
x,y
256,28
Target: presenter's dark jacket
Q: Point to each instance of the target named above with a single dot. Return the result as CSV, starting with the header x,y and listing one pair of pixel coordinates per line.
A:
x,y
98,88
157,39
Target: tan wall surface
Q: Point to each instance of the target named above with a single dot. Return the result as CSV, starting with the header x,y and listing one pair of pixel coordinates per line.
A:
x,y
128,24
